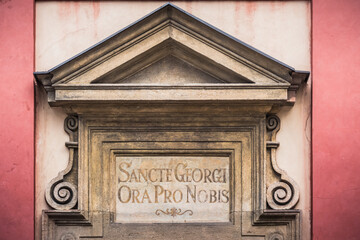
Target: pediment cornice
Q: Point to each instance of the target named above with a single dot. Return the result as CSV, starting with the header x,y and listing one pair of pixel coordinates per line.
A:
x,y
216,66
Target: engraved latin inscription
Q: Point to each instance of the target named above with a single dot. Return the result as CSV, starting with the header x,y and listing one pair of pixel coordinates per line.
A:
x,y
179,189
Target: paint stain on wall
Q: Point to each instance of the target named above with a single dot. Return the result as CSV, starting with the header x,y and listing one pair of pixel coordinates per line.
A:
x,y
96,12
96,9
250,8
244,20
76,12
4,1
276,6
69,10
237,18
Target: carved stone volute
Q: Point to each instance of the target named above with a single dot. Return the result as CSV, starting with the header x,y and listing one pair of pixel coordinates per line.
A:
x,y
61,193
283,194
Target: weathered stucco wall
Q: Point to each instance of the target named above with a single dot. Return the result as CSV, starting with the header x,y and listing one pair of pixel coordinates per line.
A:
x,y
16,119
280,29
336,131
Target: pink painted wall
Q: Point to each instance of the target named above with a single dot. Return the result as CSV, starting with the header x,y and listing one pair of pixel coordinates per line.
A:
x,y
336,119
16,119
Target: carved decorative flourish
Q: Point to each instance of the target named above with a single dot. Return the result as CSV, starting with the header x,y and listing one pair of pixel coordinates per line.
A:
x,y
68,236
60,193
285,193
273,123
276,236
71,124
173,212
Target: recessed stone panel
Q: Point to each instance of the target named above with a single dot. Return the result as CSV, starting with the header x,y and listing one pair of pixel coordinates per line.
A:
x,y
172,189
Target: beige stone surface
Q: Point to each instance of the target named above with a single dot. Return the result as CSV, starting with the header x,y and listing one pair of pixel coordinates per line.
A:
x,y
280,29
51,155
148,188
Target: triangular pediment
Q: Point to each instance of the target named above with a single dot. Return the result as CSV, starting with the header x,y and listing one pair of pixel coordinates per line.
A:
x,y
170,63
170,47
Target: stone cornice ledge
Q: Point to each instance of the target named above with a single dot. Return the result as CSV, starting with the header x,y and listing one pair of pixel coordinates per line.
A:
x,y
241,72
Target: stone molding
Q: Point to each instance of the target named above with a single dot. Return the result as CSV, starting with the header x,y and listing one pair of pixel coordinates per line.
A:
x,y
100,133
61,193
285,193
113,109
235,70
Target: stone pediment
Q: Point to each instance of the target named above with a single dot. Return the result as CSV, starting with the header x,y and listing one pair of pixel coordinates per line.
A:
x,y
171,63
170,55
212,152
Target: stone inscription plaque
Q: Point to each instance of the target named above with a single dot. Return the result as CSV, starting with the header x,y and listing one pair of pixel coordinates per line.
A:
x,y
172,189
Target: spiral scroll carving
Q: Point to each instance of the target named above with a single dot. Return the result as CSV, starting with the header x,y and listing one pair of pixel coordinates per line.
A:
x,y
71,123
61,194
65,193
272,123
283,194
